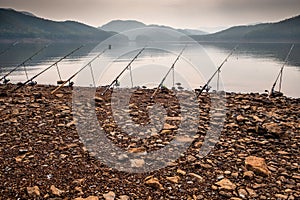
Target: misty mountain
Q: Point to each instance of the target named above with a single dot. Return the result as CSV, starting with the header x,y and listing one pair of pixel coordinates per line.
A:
x,y
287,30
19,25
125,25
119,26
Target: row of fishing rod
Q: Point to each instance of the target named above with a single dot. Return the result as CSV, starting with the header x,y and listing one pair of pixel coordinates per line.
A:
x,y
206,87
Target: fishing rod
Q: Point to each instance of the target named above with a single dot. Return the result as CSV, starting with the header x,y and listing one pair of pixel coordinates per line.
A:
x,y
54,64
8,48
171,68
129,64
281,72
22,64
88,64
217,71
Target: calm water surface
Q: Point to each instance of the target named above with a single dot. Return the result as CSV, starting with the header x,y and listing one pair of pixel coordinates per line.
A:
x,y
252,68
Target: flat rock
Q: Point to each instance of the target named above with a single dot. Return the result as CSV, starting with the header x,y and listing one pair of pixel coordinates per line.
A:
x,y
153,182
173,179
273,129
226,184
35,190
56,191
257,165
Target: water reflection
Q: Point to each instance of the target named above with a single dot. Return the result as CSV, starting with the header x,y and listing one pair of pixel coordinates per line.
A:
x,y
276,51
252,69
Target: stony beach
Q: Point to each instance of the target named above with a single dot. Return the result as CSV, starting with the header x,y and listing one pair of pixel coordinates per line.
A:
x,y
257,155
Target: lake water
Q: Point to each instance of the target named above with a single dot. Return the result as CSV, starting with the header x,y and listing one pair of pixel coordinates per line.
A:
x,y
252,68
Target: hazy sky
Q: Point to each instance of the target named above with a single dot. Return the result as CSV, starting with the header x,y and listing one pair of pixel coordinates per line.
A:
x,y
176,13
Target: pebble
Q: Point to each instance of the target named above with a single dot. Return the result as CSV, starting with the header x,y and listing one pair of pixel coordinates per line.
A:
x,y
198,177
248,174
226,184
56,191
109,196
242,193
35,190
88,198
173,179
179,171
137,163
153,182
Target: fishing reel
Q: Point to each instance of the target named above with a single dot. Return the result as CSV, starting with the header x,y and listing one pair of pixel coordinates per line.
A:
x,y
32,83
5,81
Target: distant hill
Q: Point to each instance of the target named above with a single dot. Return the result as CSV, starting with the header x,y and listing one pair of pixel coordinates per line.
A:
x,y
284,31
25,26
125,25
119,26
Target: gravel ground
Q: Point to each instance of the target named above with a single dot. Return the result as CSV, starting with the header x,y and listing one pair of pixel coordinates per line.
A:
x,y
43,157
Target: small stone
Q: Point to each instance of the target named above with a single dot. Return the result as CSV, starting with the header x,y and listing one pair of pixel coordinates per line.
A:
x,y
235,174
296,177
220,177
153,182
184,139
166,131
282,152
249,174
198,144
99,99
227,172
20,158
273,128
226,184
235,198
257,185
33,191
137,163
173,179
240,118
59,95
281,196
56,191
242,193
22,151
225,193
137,150
257,165
191,158
251,192
34,105
88,198
257,119
79,181
109,196
179,171
214,187
71,123
169,127
124,197
173,118
79,189
196,176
